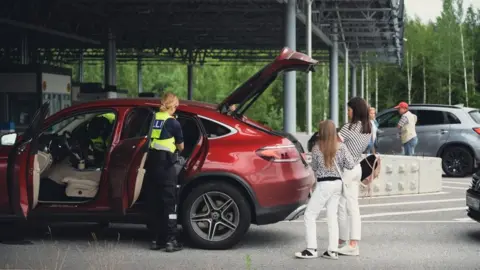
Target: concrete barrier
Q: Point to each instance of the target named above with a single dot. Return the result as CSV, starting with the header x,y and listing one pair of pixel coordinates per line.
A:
x,y
400,174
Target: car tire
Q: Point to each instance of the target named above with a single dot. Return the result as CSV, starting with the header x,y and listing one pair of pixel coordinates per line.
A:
x,y
457,161
237,216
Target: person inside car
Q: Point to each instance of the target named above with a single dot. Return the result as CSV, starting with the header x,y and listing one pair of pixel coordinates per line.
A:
x,y
161,175
99,135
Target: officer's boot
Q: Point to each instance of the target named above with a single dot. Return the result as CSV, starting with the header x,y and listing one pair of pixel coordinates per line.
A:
x,y
172,245
157,243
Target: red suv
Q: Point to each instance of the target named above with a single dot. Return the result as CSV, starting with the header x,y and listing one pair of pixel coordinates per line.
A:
x,y
237,171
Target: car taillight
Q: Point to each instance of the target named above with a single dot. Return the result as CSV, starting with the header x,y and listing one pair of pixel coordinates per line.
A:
x,y
283,153
477,130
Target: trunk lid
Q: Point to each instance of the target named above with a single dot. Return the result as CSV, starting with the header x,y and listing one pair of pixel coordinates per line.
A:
x,y
247,93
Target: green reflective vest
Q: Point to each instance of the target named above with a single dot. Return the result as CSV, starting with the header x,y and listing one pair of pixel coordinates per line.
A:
x,y
158,124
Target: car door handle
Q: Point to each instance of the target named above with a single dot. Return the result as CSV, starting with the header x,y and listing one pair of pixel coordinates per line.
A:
x,y
443,131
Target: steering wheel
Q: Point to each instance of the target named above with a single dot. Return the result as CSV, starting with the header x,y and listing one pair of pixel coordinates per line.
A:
x,y
72,145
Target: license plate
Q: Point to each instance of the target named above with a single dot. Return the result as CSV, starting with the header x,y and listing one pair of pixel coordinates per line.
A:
x,y
473,203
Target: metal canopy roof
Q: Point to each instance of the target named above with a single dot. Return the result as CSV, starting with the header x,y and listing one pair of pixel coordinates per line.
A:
x,y
190,30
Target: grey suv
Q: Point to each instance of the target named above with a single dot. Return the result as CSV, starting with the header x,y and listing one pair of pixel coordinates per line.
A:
x,y
449,132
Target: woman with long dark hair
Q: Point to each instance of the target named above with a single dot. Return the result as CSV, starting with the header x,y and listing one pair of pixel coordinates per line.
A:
x,y
356,135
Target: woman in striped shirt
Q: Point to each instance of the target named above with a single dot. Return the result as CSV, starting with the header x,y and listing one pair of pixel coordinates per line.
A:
x,y
356,135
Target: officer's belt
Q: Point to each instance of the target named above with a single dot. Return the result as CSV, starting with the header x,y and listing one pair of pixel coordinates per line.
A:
x,y
159,147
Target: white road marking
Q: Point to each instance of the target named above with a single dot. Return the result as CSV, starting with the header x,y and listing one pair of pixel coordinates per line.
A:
x,y
385,214
457,183
412,202
403,195
465,219
461,188
396,221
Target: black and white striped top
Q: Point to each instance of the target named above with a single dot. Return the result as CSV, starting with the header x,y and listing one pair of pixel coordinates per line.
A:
x,y
356,141
343,158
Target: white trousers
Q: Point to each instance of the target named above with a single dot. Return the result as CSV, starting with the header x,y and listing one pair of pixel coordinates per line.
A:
x,y
350,224
326,193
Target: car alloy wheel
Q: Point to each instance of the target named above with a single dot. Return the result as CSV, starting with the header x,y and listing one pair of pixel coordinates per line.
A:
x,y
457,162
214,216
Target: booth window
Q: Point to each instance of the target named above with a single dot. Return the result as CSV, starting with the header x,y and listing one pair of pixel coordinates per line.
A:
x,y
22,108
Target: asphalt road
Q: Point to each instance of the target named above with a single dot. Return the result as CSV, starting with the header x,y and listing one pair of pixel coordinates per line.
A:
x,y
401,232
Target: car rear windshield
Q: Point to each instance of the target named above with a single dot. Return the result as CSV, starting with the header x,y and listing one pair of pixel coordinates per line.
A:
x,y
475,116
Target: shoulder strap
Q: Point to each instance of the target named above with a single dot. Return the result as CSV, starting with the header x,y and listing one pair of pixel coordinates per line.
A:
x,y
338,169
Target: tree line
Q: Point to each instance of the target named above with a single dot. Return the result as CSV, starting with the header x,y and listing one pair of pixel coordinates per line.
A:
x,y
441,65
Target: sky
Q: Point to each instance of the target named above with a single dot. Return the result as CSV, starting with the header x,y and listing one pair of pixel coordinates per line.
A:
x,y
429,9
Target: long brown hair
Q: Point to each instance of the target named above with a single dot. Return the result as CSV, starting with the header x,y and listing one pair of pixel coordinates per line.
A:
x,y
328,141
361,114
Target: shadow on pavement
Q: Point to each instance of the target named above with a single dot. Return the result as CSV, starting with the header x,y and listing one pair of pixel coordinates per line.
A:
x,y
474,236
121,234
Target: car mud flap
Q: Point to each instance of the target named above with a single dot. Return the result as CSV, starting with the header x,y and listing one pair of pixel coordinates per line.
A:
x,y
297,213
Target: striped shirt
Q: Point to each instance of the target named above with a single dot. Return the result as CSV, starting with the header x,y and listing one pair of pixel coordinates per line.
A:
x,y
356,141
343,158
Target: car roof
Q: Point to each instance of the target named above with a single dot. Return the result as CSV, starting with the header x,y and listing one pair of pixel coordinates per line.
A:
x,y
188,106
437,106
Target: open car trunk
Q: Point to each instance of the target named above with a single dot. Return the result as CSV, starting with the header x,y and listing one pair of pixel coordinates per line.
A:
x,y
246,94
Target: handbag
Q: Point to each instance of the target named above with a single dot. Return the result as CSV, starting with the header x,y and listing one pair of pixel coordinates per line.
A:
x,y
370,171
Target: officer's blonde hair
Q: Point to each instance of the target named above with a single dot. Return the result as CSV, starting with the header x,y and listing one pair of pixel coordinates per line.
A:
x,y
169,101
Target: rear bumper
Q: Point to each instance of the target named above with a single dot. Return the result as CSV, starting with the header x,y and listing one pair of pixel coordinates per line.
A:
x,y
275,214
282,213
473,213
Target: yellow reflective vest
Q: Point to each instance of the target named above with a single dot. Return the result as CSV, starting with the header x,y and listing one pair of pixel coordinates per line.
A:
x,y
158,125
99,144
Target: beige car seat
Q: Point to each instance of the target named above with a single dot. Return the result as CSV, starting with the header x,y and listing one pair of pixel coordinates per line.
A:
x,y
42,161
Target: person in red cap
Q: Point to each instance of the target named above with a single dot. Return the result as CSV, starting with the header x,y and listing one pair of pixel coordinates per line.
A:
x,y
406,125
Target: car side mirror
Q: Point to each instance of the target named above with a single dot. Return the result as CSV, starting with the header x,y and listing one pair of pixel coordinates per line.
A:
x,y
9,139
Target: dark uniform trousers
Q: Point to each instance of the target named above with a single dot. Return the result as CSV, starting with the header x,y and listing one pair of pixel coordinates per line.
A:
x,y
161,195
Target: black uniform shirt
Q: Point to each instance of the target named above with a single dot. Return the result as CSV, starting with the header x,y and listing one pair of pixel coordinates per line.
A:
x,y
172,128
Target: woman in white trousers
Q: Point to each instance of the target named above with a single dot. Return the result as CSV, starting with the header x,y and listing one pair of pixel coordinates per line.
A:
x,y
329,158
356,135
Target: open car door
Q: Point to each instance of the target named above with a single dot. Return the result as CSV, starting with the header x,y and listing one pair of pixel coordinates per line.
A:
x,y
197,157
247,93
22,170
125,166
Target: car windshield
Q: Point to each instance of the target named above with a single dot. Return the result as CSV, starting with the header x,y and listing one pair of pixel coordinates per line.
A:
x,y
58,127
475,116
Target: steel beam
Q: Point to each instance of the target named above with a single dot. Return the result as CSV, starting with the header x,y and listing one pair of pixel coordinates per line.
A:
x,y
334,77
190,81
81,72
353,81
356,10
320,34
369,34
362,82
140,75
110,62
308,35
47,31
24,51
289,79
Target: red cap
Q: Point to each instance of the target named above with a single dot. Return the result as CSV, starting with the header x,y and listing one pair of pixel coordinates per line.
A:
x,y
402,105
